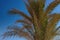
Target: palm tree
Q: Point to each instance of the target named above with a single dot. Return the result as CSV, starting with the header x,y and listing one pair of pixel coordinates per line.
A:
x,y
40,25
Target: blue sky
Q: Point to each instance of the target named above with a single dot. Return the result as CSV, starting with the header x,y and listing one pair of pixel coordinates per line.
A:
x,y
6,19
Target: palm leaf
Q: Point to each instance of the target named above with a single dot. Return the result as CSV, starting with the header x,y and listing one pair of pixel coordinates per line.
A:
x,y
23,21
51,6
29,9
52,25
30,29
53,21
51,15
16,31
27,25
14,11
9,34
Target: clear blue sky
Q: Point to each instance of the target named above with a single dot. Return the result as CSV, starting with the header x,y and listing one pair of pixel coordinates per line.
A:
x,y
6,19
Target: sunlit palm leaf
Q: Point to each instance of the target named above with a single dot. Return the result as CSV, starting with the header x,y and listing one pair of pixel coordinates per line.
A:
x,y
51,6
52,25
53,21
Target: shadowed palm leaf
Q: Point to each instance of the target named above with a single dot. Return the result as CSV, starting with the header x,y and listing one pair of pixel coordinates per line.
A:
x,y
40,25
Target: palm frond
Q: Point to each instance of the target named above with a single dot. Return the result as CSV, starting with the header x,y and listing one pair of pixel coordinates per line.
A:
x,y
13,31
51,15
29,9
22,21
14,11
13,28
52,23
25,21
9,34
51,6
30,29
54,16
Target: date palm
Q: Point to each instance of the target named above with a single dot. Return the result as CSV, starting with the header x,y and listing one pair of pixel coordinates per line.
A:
x,y
40,25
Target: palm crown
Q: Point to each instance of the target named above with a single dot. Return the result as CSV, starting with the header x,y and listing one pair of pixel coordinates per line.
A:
x,y
40,25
